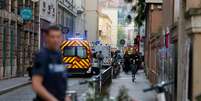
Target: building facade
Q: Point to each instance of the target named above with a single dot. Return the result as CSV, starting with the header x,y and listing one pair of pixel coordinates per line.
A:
x,y
189,51
48,16
153,32
91,16
80,20
105,29
19,37
175,52
113,14
66,14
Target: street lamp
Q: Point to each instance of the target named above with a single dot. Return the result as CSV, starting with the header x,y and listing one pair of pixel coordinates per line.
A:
x,y
34,1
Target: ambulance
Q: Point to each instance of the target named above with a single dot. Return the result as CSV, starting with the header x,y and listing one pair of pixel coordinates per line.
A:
x,y
77,56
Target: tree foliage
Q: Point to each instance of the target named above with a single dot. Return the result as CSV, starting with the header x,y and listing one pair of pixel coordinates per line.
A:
x,y
139,10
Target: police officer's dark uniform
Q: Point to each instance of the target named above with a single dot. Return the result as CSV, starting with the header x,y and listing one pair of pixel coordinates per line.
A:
x,y
137,60
49,65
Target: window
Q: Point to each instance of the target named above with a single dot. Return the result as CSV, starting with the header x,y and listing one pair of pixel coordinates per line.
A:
x,y
44,6
13,7
75,51
81,52
2,4
69,51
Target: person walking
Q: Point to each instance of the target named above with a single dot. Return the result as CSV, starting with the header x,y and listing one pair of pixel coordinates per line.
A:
x,y
126,62
100,58
49,74
136,63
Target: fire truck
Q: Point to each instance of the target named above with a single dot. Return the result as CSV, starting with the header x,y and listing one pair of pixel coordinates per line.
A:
x,y
77,56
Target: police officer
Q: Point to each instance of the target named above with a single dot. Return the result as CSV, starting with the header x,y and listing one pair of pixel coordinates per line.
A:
x,y
48,74
136,58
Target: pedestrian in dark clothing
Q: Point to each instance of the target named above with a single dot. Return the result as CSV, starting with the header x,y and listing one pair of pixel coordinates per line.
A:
x,y
29,70
100,58
126,62
49,74
136,59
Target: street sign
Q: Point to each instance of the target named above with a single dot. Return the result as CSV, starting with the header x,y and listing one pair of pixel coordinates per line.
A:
x,y
26,13
122,42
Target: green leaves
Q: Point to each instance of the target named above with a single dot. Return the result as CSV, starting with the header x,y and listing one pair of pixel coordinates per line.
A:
x,y
139,10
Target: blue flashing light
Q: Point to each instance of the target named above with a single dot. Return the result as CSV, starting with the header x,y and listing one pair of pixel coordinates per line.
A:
x,y
76,36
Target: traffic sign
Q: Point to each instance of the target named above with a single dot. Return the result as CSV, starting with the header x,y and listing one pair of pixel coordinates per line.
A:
x,y
122,42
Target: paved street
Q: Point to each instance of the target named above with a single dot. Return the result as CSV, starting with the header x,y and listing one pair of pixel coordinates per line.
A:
x,y
135,90
26,94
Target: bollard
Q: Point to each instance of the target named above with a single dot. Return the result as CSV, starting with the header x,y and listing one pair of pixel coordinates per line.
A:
x,y
73,95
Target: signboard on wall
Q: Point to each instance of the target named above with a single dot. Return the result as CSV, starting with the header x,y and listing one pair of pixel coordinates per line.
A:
x,y
48,10
26,13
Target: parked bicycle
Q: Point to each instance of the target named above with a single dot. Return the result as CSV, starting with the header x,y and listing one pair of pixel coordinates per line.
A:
x,y
160,89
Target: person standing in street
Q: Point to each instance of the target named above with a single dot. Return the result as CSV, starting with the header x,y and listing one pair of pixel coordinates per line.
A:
x,y
49,74
126,62
136,59
100,59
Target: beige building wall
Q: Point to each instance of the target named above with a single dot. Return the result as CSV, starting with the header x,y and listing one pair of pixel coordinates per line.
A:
x,y
91,15
80,18
192,28
105,28
113,14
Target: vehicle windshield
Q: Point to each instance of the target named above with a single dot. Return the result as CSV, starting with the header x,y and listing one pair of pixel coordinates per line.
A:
x,y
75,51
69,51
81,52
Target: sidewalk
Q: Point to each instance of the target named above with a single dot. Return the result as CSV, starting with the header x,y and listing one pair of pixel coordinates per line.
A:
x,y
13,83
135,90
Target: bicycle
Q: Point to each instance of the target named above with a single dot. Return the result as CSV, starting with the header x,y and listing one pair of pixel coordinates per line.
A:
x,y
160,89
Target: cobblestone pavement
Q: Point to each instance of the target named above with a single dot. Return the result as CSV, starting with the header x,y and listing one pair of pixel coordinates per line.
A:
x,y
26,94
135,90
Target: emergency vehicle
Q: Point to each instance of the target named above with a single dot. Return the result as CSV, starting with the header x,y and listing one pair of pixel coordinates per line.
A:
x,y
77,56
106,52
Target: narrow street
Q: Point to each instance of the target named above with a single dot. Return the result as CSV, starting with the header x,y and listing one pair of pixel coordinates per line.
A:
x,y
135,90
100,45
